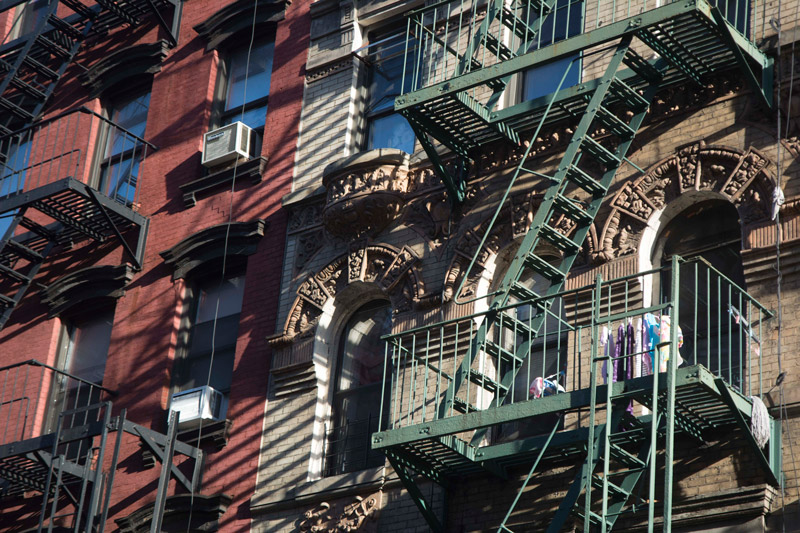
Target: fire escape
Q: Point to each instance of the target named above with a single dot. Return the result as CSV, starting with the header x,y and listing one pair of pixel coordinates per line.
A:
x,y
452,389
69,180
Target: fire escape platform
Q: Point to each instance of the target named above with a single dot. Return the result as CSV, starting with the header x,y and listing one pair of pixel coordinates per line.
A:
x,y
83,212
690,40
703,403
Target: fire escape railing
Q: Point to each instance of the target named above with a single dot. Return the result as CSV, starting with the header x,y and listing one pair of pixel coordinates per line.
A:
x,y
722,328
78,144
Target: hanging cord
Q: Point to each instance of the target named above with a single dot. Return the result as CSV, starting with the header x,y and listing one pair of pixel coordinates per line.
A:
x,y
226,242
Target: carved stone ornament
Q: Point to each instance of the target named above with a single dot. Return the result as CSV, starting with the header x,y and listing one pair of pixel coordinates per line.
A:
x,y
741,177
365,192
355,516
393,271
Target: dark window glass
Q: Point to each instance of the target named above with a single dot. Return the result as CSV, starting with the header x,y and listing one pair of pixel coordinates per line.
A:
x,y
566,21
385,128
247,85
123,151
711,336
225,301
357,394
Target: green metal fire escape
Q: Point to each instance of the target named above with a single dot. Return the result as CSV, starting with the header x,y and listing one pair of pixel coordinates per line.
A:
x,y
31,67
456,74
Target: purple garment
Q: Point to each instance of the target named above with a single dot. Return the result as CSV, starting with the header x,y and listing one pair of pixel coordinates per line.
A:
x,y
619,348
631,350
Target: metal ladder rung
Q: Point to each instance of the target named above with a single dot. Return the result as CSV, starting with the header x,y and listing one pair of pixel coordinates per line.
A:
x,y
614,124
511,21
627,94
500,50
501,353
536,263
14,109
558,239
485,382
13,274
626,458
571,209
64,27
641,66
521,292
463,407
23,251
40,68
584,180
7,302
598,152
509,322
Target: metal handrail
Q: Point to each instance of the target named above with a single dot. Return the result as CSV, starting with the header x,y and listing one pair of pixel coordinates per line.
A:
x,y
34,362
63,114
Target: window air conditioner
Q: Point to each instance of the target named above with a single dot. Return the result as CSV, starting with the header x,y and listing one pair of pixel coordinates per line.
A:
x,y
199,404
227,143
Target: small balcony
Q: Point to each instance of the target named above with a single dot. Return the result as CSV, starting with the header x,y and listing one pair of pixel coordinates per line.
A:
x,y
551,371
59,438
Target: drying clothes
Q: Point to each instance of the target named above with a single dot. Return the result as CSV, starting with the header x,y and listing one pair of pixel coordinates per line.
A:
x,y
609,348
664,334
630,350
638,359
619,352
544,387
650,339
759,422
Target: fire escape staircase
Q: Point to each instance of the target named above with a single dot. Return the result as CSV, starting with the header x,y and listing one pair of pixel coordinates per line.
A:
x,y
31,67
687,43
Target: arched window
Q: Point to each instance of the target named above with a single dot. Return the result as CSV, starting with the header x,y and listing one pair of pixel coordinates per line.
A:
x,y
709,311
357,390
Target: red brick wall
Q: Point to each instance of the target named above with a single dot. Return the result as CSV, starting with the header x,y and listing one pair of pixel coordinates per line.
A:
x,y
143,340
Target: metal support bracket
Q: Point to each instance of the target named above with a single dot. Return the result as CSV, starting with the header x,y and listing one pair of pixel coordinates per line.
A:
x,y
137,257
155,440
767,465
407,478
456,186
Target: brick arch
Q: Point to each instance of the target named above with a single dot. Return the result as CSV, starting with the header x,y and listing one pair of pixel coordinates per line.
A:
x,y
742,178
393,271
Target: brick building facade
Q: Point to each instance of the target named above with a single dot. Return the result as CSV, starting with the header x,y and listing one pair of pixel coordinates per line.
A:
x,y
129,114
376,230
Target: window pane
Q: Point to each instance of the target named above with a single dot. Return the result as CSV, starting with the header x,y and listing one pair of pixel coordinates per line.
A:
x,y
363,350
87,356
229,294
221,375
119,178
130,115
254,117
565,22
391,131
247,83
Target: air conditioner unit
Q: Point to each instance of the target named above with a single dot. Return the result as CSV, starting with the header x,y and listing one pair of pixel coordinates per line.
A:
x,y
199,404
226,144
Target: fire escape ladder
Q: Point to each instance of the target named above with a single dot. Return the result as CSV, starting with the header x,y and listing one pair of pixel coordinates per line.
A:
x,y
21,257
583,160
33,65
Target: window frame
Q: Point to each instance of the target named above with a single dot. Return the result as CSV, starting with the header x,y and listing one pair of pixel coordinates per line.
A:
x,y
372,110
220,115
103,161
186,335
337,397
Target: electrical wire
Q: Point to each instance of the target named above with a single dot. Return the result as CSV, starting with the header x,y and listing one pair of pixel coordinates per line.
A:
x,y
225,244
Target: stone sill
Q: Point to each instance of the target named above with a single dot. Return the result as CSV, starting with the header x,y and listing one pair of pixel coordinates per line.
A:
x,y
324,489
253,170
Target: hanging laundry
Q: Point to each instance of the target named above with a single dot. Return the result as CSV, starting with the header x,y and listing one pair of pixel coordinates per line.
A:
x,y
664,337
639,348
619,352
650,339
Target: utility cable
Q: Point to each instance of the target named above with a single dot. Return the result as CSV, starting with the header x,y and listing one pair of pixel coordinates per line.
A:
x,y
225,243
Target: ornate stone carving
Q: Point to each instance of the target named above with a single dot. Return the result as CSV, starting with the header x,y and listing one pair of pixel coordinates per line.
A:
x,y
740,177
305,217
308,244
365,192
394,271
355,516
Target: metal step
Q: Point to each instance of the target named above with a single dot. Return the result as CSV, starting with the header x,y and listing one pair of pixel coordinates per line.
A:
x,y
599,153
584,181
571,209
559,240
537,264
485,382
23,251
13,274
614,124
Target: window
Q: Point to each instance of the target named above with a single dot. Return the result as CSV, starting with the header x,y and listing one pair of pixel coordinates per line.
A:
x,y
13,168
83,350
566,21
547,359
385,128
246,84
737,13
357,393
212,298
712,335
124,149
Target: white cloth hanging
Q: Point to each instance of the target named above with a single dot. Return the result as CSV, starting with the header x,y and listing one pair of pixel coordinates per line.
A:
x,y
759,422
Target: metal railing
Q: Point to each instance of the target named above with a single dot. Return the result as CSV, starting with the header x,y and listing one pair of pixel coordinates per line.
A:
x,y
33,395
80,144
720,327
348,447
452,37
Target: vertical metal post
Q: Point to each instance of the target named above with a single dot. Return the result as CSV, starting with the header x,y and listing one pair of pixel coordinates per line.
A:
x,y
112,470
596,297
163,480
669,448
